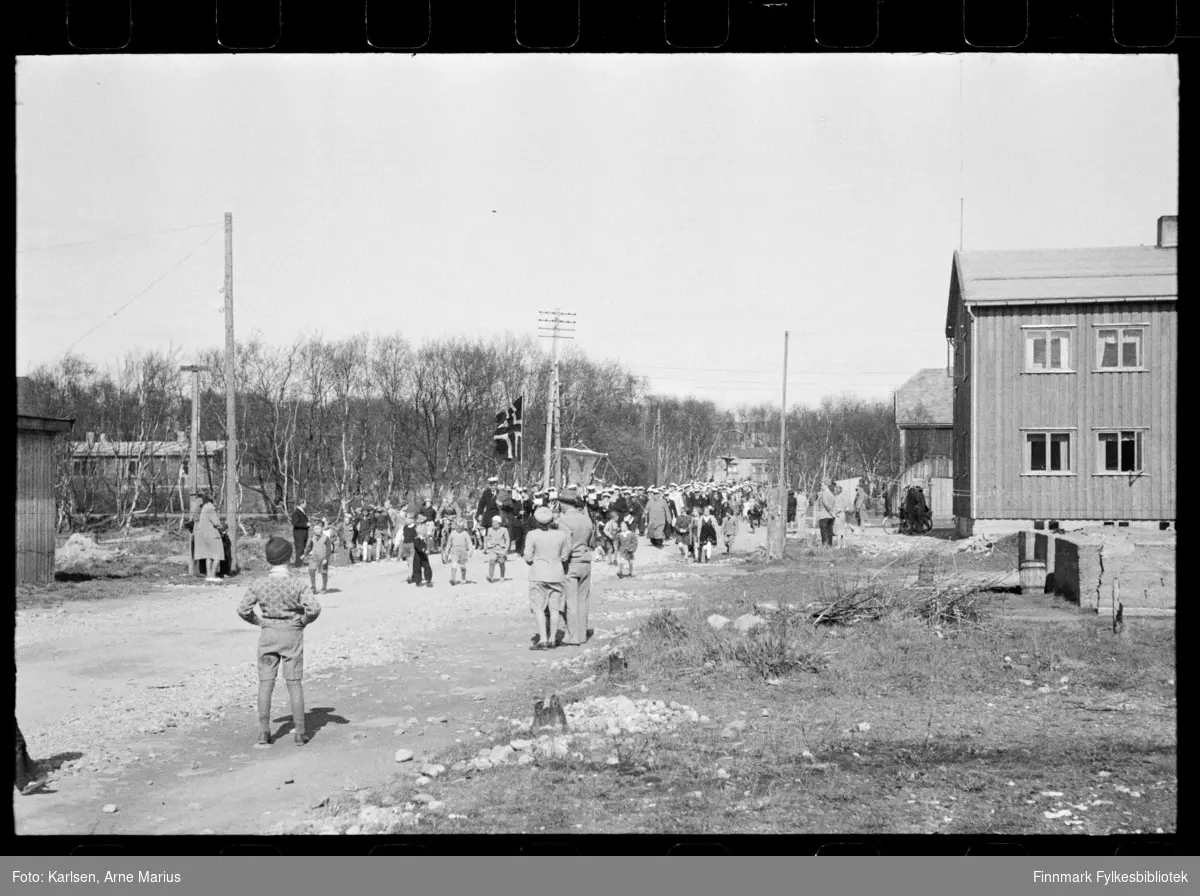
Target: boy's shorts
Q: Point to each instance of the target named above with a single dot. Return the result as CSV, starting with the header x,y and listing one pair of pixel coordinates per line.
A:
x,y
280,644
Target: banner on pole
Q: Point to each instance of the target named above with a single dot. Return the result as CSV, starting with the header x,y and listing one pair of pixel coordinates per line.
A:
x,y
508,430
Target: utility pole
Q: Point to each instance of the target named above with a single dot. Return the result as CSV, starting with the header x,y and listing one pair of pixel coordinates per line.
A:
x,y
783,509
658,446
231,476
554,324
194,458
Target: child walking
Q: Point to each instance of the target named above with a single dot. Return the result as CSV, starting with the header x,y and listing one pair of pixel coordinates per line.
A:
x,y
421,543
730,530
459,549
611,531
627,543
317,553
496,548
283,612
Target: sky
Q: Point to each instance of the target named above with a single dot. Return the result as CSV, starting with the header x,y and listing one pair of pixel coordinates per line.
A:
x,y
688,209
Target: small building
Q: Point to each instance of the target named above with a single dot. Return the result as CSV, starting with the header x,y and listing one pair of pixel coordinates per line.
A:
x,y
1065,385
924,409
37,511
755,464
104,472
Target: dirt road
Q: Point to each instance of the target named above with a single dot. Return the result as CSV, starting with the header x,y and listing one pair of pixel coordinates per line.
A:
x,y
148,703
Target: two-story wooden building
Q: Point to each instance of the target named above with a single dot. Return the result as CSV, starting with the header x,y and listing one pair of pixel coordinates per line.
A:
x,y
1065,383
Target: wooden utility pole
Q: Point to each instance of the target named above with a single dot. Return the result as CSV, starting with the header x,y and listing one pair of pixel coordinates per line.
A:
x,y
554,324
658,446
783,508
231,476
194,457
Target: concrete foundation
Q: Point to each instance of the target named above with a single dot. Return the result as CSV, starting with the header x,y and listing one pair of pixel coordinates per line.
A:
x,y
1095,569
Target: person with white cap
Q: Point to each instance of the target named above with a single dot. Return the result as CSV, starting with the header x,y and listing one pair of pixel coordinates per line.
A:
x,y
658,518
548,553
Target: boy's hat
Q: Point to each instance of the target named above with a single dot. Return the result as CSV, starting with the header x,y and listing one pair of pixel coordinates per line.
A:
x,y
493,479
543,514
279,551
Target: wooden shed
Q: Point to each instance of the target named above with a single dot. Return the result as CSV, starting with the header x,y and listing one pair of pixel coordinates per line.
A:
x,y
1065,383
37,518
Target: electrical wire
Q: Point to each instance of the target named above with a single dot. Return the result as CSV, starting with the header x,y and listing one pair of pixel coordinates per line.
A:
x,y
156,281
107,239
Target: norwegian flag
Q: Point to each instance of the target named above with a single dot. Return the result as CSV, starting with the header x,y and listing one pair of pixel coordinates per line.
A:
x,y
508,430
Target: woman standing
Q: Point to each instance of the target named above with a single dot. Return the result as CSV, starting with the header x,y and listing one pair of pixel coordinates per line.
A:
x,y
206,538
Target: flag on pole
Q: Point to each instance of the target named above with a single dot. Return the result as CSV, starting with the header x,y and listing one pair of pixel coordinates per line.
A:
x,y
508,430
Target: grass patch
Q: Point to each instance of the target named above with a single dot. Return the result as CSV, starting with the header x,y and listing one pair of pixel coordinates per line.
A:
x,y
905,720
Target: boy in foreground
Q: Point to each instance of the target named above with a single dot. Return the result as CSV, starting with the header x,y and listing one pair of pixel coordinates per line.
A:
x,y
283,612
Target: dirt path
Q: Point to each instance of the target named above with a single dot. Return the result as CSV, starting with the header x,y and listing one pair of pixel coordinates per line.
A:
x,y
147,703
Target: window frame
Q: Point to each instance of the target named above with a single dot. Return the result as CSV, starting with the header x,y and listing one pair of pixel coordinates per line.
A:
x,y
1048,432
1139,449
1097,328
1027,333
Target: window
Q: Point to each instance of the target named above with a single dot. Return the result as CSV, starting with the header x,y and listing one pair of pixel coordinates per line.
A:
x,y
1119,348
133,469
1047,349
1047,452
1120,451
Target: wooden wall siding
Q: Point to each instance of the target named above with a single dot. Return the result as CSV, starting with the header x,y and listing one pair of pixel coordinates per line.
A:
x,y
962,415
1011,400
36,515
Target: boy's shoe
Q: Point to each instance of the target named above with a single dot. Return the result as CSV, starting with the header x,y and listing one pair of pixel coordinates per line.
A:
x,y
299,739
537,645
264,739
429,584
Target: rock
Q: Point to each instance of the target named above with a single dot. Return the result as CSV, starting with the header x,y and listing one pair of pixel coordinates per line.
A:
x,y
1026,682
767,712
436,807
460,766
521,745
422,798
353,830
1044,689
864,726
432,770
769,605
748,621
524,759
404,755
481,763
110,808
736,725
717,621
423,780
722,774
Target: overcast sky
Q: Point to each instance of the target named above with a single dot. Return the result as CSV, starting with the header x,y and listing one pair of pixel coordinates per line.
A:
x,y
689,209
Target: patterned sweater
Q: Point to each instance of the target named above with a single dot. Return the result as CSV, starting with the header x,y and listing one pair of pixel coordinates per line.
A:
x,y
282,601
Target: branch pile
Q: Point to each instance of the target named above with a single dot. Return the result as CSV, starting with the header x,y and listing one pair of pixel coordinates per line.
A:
x,y
875,602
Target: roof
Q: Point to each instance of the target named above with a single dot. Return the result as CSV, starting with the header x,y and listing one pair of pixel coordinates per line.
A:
x,y
170,448
1122,274
37,423
926,398
749,453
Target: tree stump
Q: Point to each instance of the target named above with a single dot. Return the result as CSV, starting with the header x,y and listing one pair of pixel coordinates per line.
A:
x,y
617,663
548,713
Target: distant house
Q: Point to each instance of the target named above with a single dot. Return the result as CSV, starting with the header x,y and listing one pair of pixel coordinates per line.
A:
x,y
104,472
1065,384
756,464
37,511
924,408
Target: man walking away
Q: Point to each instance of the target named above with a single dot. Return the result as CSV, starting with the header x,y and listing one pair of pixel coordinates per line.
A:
x,y
826,511
300,529
495,546
548,553
578,587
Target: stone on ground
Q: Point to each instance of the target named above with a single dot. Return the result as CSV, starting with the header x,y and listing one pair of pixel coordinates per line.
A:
x,y
747,621
717,621
404,755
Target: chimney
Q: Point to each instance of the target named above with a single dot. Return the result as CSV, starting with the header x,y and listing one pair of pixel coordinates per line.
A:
x,y
1168,232
91,437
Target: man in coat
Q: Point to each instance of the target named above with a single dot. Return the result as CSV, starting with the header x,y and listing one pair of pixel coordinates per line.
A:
x,y
826,511
578,525
299,531
658,518
488,506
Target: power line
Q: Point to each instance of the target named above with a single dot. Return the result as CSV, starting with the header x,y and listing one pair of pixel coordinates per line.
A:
x,y
156,281
106,239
